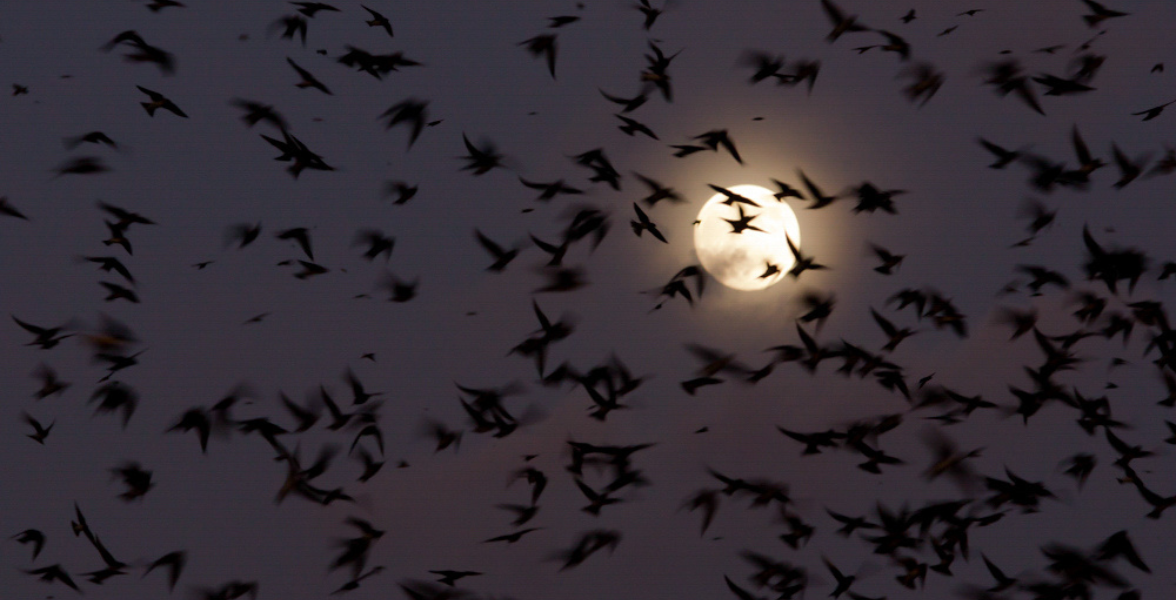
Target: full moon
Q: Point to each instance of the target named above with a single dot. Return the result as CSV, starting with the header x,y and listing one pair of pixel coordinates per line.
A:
x,y
746,250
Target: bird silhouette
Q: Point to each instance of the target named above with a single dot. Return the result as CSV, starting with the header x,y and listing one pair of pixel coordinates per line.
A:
x,y
543,45
144,52
411,112
301,236
627,104
480,160
378,20
502,257
159,101
802,263
40,433
643,224
743,223
631,127
400,191
1099,13
8,210
842,23
308,80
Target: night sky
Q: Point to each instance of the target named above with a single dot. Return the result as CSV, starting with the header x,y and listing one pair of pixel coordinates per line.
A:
x,y
956,445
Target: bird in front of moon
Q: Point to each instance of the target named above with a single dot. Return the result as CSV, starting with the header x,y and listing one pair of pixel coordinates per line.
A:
x,y
745,244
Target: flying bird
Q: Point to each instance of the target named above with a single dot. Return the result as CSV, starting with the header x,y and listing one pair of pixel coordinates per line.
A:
x,y
308,80
40,433
7,209
549,190
159,101
841,22
411,112
291,25
502,257
743,223
378,20
543,45
643,224
631,127
1153,112
256,112
93,137
1099,13
480,160
819,198
300,235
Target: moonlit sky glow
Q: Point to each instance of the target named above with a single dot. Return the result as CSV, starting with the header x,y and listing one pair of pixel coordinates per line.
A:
x,y
935,363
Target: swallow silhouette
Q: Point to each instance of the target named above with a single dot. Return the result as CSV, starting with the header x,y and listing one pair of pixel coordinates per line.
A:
x,y
301,235
93,137
1153,112
643,224
115,292
513,537
502,257
378,20
137,480
480,160
159,101
1007,77
1099,13
632,127
871,199
658,192
743,223
543,45
83,165
40,433
602,168
411,112
291,25
110,263
401,290
657,71
401,191
732,197
256,112
560,21
650,13
820,200
890,261
552,189
174,563
158,5
54,573
243,234
308,80
1003,156
627,104
926,80
841,22
8,210
765,65
144,51
310,9
803,263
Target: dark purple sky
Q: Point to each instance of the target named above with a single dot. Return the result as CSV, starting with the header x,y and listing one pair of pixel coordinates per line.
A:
x,y
199,176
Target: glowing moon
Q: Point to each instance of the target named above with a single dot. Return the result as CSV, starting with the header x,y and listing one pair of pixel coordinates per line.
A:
x,y
739,260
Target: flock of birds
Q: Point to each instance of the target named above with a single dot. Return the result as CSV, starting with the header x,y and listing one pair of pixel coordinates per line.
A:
x,y
915,543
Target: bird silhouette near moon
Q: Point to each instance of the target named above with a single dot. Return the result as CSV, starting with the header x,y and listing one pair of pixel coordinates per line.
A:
x,y
596,299
747,259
